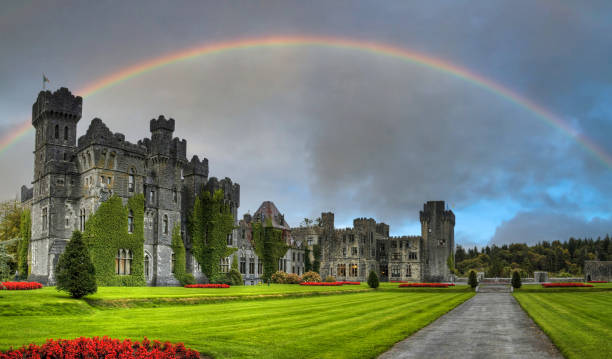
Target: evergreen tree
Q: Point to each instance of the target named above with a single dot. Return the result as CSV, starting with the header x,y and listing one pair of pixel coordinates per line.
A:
x,y
516,279
75,272
373,280
473,279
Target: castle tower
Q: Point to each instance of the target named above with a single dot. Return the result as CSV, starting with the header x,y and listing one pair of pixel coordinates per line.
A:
x,y
55,117
438,233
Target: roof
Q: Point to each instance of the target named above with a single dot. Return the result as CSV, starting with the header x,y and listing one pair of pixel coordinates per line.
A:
x,y
268,210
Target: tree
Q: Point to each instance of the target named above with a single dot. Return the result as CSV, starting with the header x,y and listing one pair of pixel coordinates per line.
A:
x,y
10,229
269,246
24,244
5,269
473,279
75,271
373,280
516,279
210,224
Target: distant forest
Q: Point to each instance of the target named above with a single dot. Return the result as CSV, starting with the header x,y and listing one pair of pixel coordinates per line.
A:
x,y
563,259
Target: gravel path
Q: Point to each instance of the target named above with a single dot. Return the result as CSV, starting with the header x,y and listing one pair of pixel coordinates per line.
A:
x,y
489,325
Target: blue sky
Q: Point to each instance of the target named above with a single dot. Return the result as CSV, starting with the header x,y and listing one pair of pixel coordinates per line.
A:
x,y
319,129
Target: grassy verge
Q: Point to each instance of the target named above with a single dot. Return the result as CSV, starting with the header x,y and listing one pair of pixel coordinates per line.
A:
x,y
352,325
578,320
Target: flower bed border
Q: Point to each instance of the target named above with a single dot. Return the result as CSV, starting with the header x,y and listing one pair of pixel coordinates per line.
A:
x,y
20,285
565,285
211,285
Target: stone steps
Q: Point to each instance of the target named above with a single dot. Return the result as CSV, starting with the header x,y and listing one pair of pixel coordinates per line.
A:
x,y
494,288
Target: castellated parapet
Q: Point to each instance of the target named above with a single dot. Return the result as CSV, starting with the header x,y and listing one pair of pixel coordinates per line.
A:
x,y
72,178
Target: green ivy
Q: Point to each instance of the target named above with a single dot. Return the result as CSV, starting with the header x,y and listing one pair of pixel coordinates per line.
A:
x,y
178,248
316,251
210,223
269,246
24,244
307,263
106,231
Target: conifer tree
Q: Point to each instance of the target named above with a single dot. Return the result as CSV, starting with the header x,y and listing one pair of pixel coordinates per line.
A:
x,y
75,271
373,280
473,279
516,279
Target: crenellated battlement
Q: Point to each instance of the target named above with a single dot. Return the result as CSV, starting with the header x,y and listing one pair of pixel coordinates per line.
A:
x,y
161,123
436,209
61,103
196,167
99,134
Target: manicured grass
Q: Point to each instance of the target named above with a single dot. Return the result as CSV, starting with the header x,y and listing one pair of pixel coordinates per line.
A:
x,y
596,287
578,320
351,325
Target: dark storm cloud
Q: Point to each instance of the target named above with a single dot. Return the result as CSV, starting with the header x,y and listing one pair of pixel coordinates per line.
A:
x,y
534,227
329,129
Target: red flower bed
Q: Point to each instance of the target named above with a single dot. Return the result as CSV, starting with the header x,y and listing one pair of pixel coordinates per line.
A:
x,y
207,286
424,285
565,285
322,284
20,285
398,281
94,348
351,283
597,281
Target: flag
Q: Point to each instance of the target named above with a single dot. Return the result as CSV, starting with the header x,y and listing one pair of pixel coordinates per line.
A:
x,y
45,79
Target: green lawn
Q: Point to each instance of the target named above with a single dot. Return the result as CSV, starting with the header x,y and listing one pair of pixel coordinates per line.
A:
x,y
578,320
350,325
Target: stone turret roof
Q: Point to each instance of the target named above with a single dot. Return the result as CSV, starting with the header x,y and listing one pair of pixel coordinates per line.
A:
x,y
268,210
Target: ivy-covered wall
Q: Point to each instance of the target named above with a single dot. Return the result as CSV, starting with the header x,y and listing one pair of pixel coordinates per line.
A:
x,y
106,231
269,246
26,235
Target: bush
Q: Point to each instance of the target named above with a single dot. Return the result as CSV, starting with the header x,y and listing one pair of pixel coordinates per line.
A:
x,y
235,277
330,278
311,277
293,278
473,279
279,277
75,272
516,279
373,280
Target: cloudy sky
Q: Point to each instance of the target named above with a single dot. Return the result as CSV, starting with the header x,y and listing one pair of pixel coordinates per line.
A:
x,y
317,128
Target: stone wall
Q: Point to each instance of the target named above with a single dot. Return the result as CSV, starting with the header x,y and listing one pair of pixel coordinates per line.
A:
x,y
598,270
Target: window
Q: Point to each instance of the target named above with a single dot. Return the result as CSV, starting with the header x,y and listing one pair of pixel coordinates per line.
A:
x,y
131,222
409,271
225,265
131,181
393,244
294,256
251,265
259,267
175,196
242,265
123,262
352,238
56,131
173,261
354,270
44,219
82,220
66,133
341,270
293,269
165,224
310,242
108,180
396,256
146,266
344,252
395,271
354,251
229,239
151,196
65,156
412,255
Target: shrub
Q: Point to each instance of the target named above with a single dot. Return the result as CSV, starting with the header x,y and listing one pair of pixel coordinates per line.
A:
x,y
75,271
235,277
330,278
311,277
473,279
279,277
103,348
516,280
373,280
293,278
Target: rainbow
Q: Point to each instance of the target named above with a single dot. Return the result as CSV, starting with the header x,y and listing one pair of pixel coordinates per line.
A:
x,y
373,48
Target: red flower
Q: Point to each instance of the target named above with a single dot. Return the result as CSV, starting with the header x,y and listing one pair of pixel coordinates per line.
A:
x,y
102,348
20,285
425,285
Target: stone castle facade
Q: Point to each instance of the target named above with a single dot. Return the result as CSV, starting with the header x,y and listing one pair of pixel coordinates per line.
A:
x,y
72,178
351,253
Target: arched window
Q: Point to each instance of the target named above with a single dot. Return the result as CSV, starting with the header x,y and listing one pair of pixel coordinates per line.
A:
x,y
66,133
146,266
131,222
131,181
165,224
56,131
128,262
123,262
173,261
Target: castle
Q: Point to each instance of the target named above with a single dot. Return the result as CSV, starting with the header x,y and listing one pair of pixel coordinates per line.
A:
x,y
72,178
